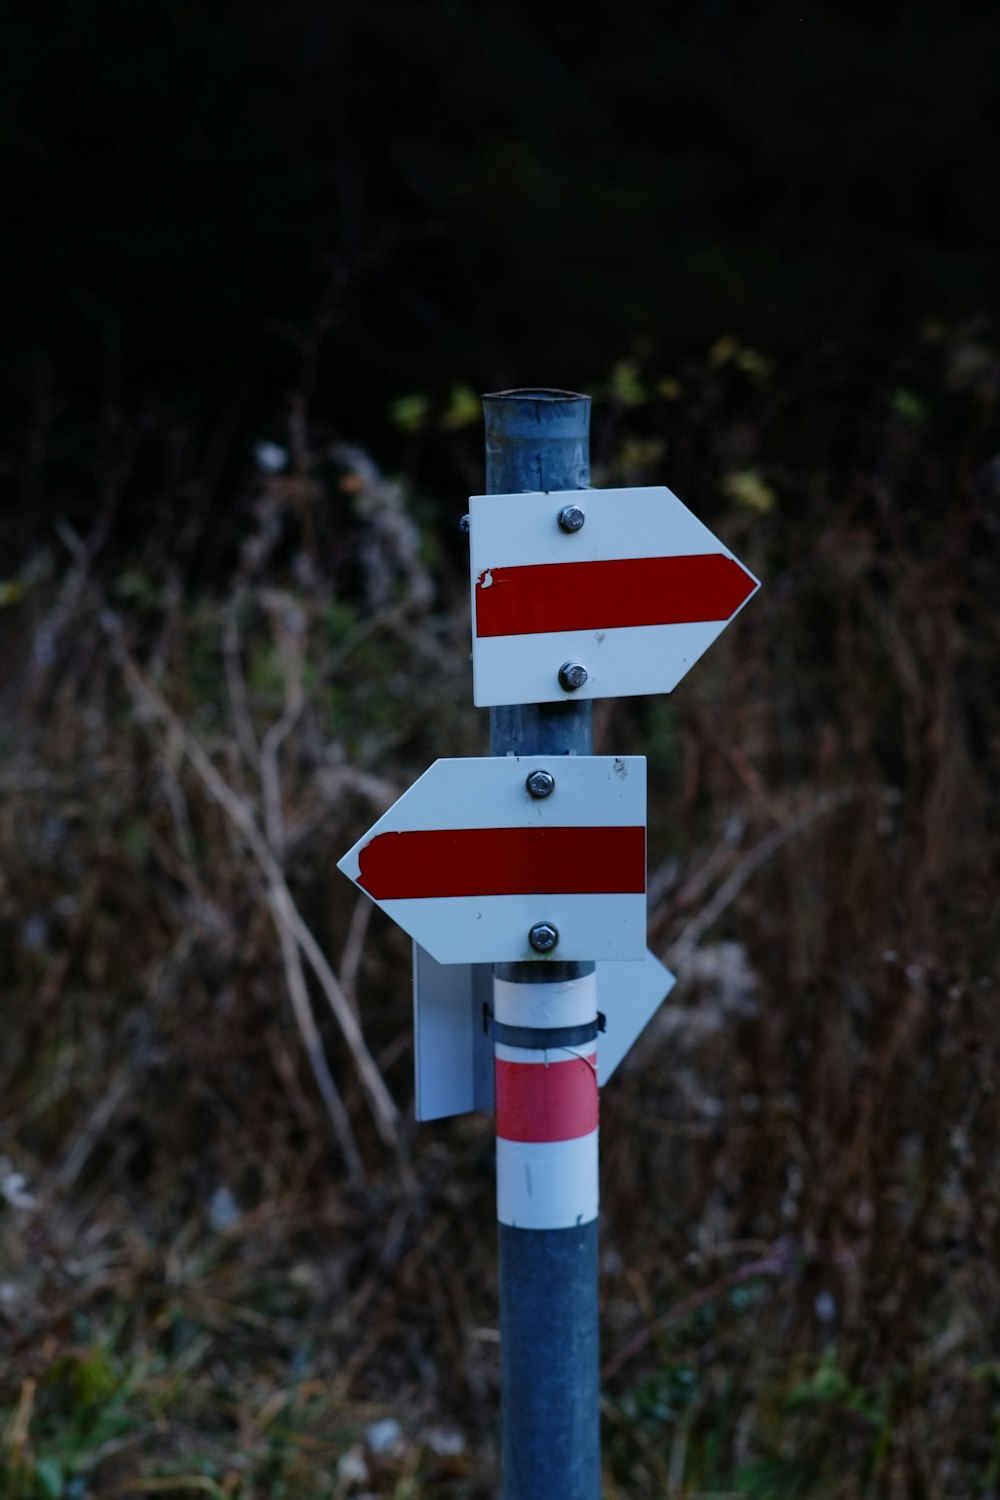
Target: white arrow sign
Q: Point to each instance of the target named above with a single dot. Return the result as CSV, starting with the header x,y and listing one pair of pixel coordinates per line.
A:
x,y
631,595
453,1051
469,863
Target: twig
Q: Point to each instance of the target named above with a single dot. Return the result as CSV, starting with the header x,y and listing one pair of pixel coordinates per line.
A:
x,y
350,960
305,1020
777,1260
700,879
67,601
177,802
280,900
236,684
289,630
334,781
680,951
289,626
98,1121
384,1110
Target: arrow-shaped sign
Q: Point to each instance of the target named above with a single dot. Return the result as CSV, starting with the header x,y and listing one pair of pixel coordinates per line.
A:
x,y
594,593
479,869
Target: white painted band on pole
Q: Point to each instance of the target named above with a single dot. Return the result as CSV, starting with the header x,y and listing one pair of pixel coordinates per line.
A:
x,y
547,1184
571,1002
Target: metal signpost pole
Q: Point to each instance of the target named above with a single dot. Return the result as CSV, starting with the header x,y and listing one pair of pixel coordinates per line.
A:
x,y
545,1030
533,860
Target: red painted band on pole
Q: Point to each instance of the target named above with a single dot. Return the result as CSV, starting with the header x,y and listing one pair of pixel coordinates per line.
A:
x,y
556,1101
504,862
609,595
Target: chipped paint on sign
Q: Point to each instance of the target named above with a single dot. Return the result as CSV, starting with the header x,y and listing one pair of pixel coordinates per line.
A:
x,y
636,595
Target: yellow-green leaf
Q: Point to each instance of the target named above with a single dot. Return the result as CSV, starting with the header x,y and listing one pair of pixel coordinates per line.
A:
x,y
748,489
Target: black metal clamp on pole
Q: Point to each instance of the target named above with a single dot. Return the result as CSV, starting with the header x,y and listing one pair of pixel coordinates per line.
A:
x,y
538,440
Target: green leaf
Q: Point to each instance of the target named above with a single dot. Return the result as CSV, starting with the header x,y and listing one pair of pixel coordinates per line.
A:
x,y
11,592
50,1478
748,489
908,405
409,413
464,408
625,387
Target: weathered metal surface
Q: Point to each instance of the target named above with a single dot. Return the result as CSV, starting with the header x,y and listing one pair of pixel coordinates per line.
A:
x,y
550,1407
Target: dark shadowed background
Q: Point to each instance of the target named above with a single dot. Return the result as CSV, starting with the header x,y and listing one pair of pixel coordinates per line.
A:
x,y
470,195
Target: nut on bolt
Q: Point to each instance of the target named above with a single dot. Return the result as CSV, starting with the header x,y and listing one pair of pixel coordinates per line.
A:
x,y
572,676
540,783
571,518
543,937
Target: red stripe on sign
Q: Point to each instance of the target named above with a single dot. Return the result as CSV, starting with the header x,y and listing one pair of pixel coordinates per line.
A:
x,y
504,862
546,1101
608,595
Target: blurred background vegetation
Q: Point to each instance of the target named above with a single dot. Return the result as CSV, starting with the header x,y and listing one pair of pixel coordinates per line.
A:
x,y
258,265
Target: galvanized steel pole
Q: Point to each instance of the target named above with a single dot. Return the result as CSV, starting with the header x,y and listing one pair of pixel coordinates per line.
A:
x,y
545,1028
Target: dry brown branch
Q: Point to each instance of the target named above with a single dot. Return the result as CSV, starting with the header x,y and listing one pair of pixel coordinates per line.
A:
x,y
780,1259
350,959
700,879
289,627
177,802
334,781
65,606
93,1128
305,1020
681,949
280,900
236,685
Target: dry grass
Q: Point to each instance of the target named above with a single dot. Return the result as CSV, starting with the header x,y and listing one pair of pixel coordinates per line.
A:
x,y
225,1252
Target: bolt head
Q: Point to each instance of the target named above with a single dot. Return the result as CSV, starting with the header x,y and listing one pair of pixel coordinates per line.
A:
x,y
540,783
543,937
572,676
464,523
571,518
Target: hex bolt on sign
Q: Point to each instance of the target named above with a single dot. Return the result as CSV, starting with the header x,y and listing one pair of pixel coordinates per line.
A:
x,y
543,937
541,783
572,676
571,518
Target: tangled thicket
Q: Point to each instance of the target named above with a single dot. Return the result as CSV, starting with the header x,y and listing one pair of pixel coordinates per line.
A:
x,y
226,1252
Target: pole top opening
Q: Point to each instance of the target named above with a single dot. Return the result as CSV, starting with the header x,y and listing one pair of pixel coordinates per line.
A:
x,y
535,393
